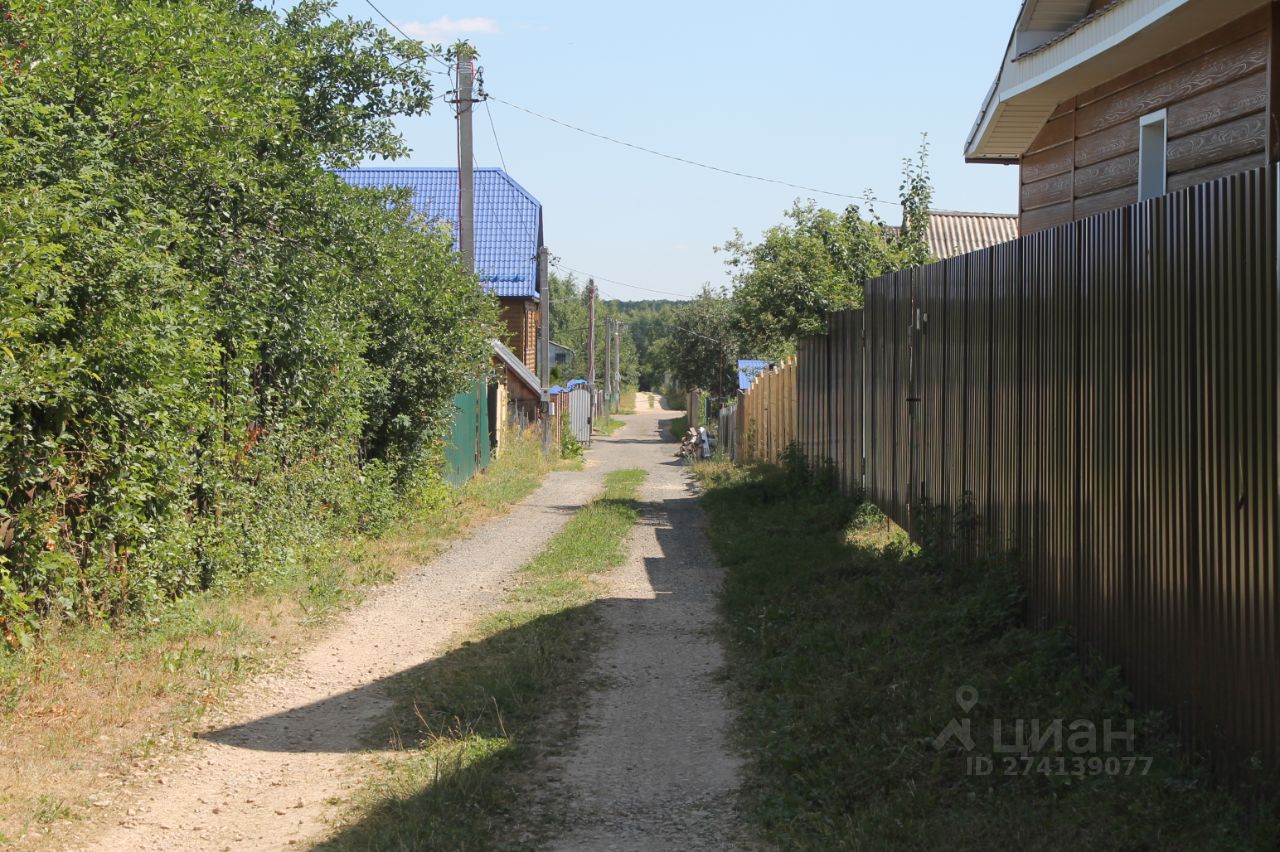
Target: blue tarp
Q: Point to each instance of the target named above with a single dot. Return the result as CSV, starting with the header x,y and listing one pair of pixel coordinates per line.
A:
x,y
573,383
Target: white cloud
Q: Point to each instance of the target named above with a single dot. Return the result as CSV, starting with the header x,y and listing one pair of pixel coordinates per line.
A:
x,y
445,30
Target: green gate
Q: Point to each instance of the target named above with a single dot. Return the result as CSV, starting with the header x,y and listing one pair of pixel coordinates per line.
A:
x,y
467,450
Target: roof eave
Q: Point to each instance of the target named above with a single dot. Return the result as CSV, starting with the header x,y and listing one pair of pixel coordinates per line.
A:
x,y
1029,88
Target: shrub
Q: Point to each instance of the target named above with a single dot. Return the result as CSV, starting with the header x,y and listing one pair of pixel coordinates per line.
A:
x,y
213,352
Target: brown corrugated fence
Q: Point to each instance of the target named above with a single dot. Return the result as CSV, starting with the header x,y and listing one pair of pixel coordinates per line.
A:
x,y
1105,393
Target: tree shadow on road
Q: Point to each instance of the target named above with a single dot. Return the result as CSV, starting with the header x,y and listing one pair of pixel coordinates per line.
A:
x,y
459,733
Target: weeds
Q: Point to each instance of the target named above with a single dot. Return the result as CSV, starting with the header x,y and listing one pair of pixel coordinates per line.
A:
x,y
848,648
86,700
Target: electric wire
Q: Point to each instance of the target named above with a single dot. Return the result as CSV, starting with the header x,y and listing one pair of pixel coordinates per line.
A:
x,y
396,27
866,197
560,265
496,143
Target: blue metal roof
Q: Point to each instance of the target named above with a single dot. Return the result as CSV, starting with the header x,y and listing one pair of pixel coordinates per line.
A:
x,y
508,219
748,370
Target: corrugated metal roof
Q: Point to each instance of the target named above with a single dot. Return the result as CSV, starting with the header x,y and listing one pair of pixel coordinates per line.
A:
x,y
1070,28
951,233
516,366
508,219
1051,14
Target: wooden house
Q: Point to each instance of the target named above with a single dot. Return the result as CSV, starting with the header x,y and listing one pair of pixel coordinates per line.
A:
x,y
1103,103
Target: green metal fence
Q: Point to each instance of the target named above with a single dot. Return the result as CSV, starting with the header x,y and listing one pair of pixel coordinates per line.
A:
x,y
467,451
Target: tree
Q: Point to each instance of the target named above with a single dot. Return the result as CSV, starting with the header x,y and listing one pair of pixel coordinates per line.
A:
x,y
213,352
701,348
817,260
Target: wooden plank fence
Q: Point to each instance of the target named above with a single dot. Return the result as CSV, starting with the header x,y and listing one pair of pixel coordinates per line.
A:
x,y
1103,395
763,421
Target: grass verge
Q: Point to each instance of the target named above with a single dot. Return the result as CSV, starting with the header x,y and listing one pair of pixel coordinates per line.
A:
x,y
678,426
847,646
464,720
627,402
90,701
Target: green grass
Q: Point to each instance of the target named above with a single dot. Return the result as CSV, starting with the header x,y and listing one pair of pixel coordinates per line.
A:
x,y
464,721
847,645
611,425
89,699
679,426
627,402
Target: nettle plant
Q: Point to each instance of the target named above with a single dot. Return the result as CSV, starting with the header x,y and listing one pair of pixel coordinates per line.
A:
x,y
213,352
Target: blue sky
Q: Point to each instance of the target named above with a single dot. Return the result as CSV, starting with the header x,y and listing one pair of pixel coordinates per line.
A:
x,y
828,95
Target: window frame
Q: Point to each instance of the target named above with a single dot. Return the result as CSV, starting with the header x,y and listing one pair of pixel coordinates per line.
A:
x,y
1153,140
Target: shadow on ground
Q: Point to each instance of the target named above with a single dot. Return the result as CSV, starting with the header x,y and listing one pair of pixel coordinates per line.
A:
x,y
476,701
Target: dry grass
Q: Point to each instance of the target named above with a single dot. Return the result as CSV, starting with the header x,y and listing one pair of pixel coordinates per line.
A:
x,y
90,703
627,402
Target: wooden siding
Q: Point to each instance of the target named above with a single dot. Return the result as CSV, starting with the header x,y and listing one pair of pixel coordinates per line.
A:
x,y
520,320
1215,89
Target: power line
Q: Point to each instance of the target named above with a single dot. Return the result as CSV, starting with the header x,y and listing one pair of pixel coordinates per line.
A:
x,y
559,265
865,197
396,27
496,143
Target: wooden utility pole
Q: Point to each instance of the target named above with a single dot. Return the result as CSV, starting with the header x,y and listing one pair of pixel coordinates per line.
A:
x,y
544,348
466,175
591,333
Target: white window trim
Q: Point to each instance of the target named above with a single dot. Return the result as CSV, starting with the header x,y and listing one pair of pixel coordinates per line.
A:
x,y
1153,156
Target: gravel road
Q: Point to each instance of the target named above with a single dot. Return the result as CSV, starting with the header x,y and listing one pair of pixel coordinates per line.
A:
x,y
650,769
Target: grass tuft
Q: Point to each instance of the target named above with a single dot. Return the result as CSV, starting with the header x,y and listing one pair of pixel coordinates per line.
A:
x,y
847,645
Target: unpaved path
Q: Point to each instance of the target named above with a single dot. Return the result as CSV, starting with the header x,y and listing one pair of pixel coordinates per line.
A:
x,y
265,775
650,767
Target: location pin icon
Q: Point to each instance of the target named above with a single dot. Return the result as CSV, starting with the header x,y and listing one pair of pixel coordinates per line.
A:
x,y
966,697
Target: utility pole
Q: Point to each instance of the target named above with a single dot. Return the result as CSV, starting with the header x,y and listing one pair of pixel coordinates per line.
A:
x,y
544,350
608,363
591,333
617,362
466,176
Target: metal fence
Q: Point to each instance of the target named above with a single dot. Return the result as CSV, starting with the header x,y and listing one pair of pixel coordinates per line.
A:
x,y
467,450
1104,396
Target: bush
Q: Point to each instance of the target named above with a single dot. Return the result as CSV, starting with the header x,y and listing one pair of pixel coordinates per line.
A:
x,y
213,352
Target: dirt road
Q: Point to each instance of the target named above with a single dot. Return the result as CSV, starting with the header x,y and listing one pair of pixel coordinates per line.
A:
x,y
650,770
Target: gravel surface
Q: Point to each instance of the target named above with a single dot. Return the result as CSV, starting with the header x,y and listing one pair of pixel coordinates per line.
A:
x,y
650,767
266,772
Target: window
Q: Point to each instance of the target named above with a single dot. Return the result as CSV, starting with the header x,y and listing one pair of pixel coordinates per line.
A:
x,y
1153,149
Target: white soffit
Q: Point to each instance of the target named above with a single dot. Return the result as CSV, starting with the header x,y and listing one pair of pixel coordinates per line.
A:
x,y
1121,38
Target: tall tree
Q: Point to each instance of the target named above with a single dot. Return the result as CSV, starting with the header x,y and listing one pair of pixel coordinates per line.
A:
x,y
702,345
